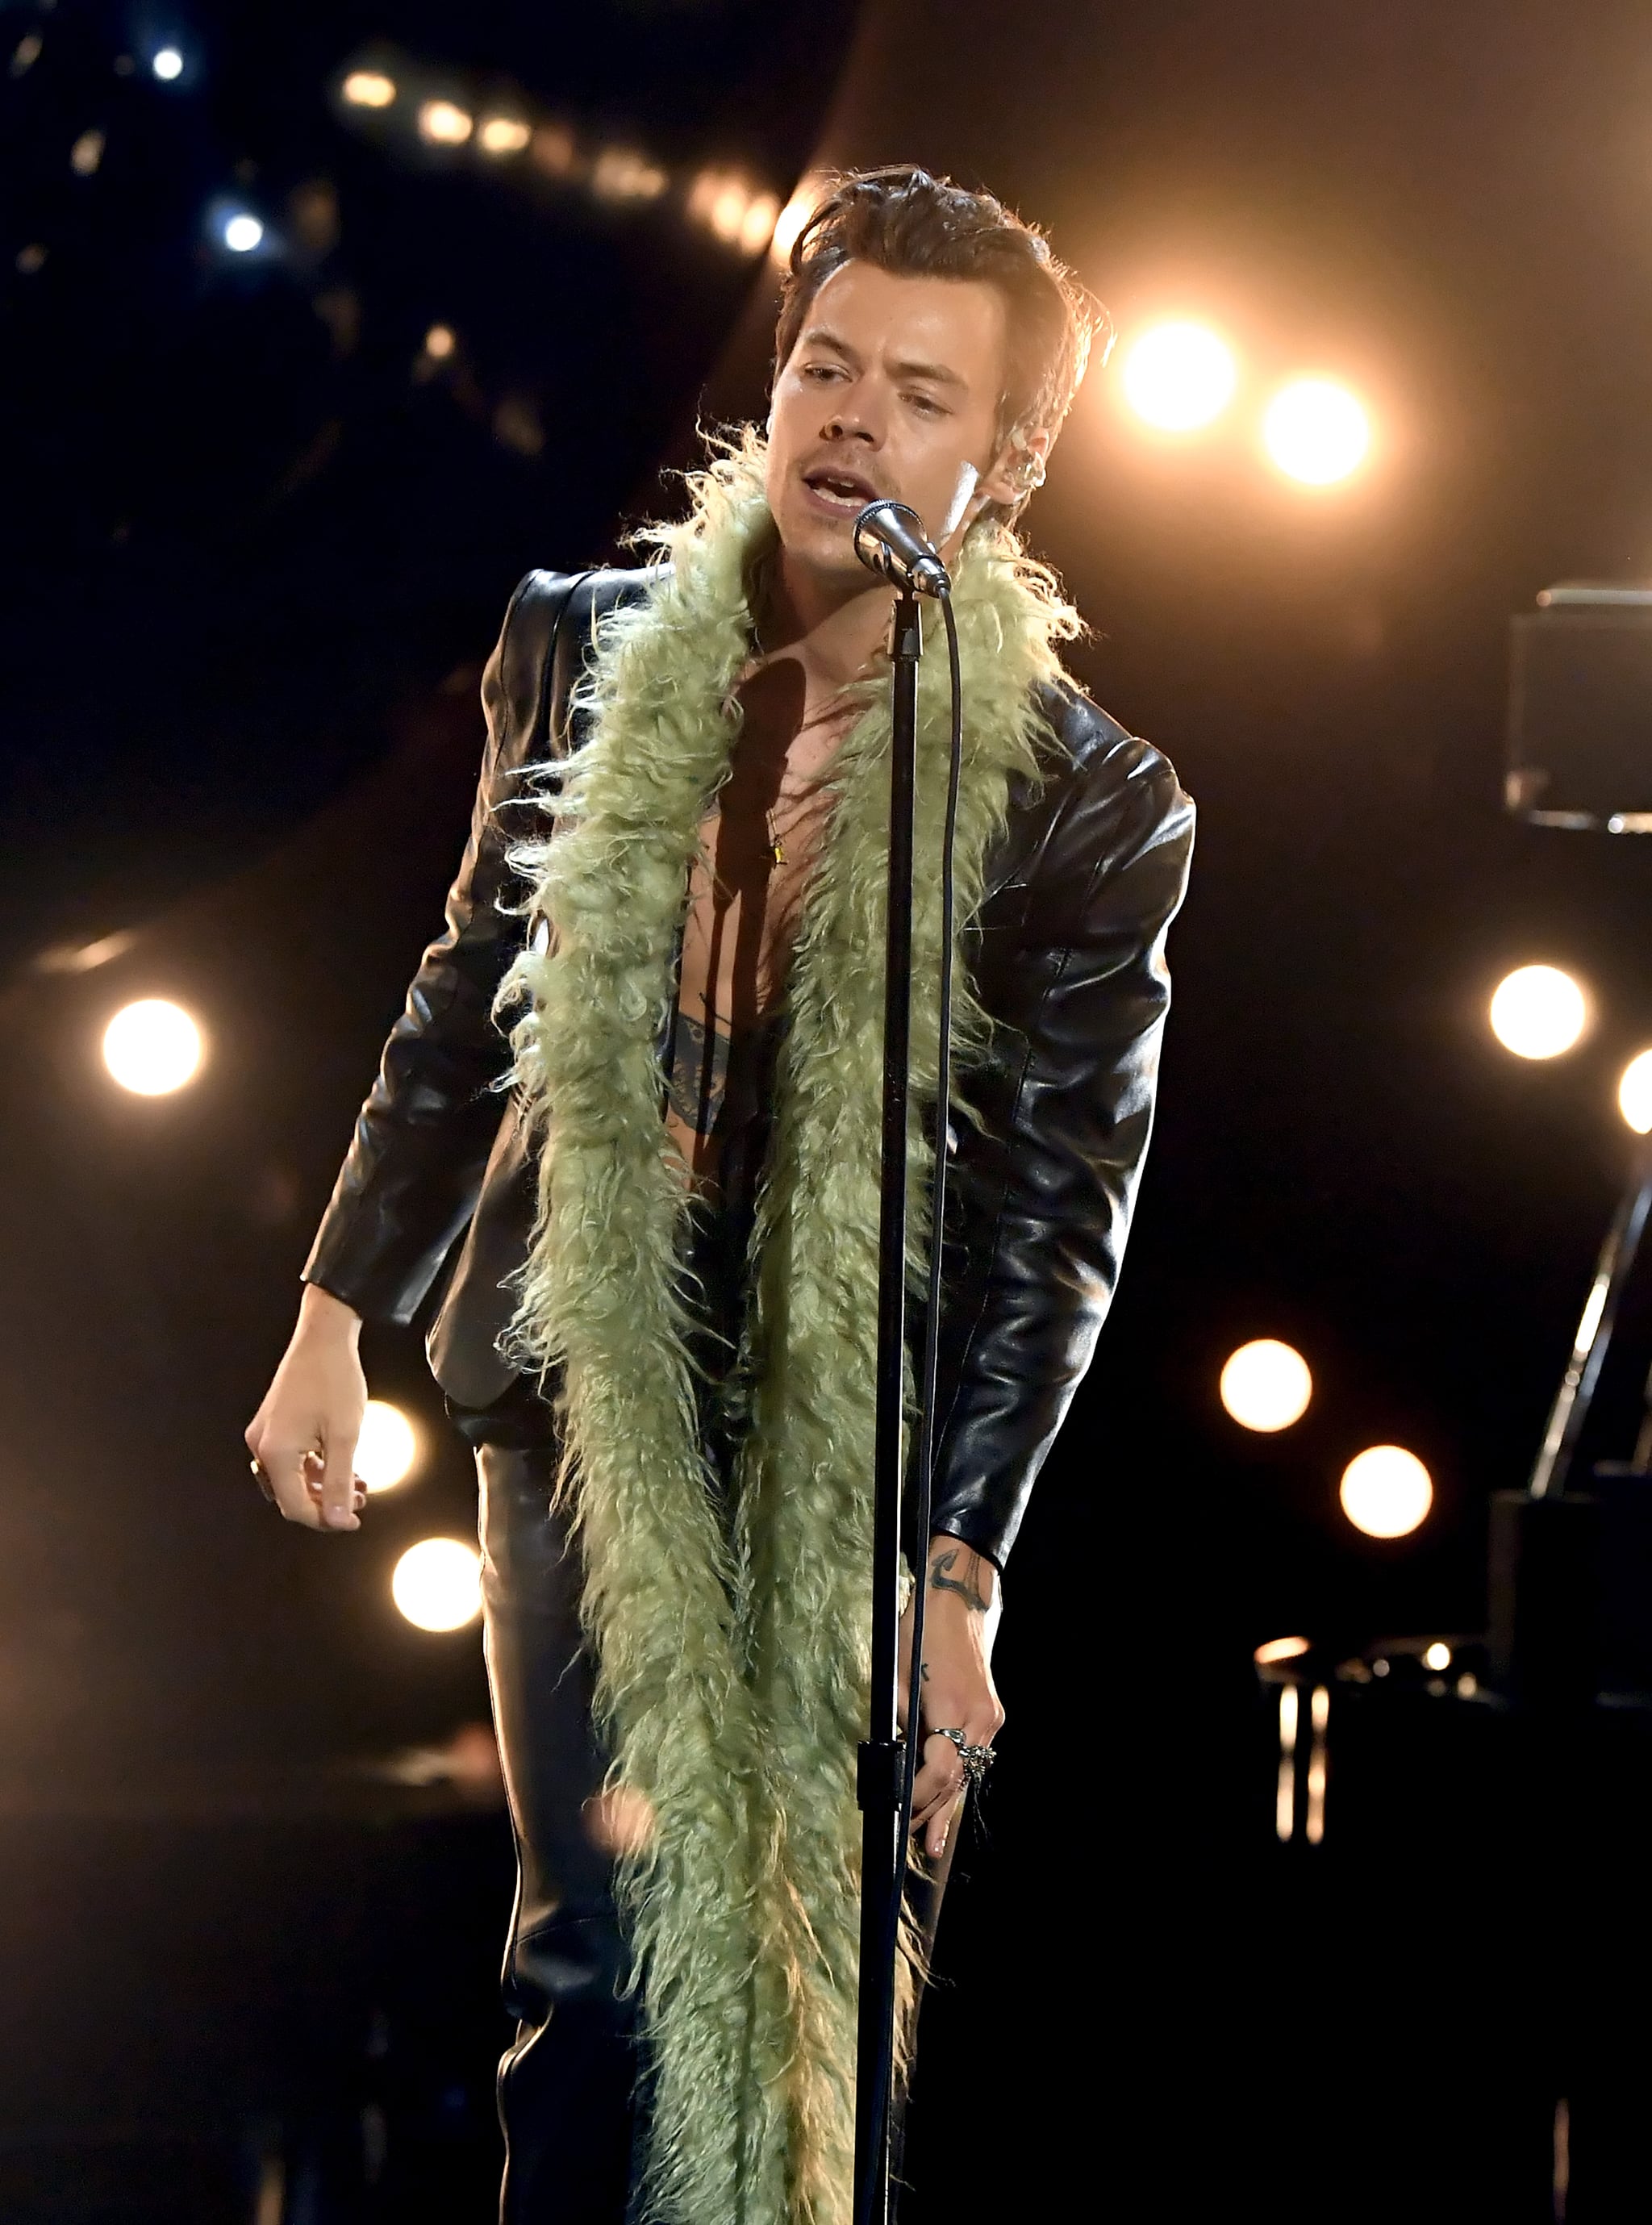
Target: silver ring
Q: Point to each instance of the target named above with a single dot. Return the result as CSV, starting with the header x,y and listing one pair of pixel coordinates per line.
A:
x,y
977,1759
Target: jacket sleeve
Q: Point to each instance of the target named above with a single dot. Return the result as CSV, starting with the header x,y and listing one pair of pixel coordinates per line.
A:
x,y
1088,987
410,1180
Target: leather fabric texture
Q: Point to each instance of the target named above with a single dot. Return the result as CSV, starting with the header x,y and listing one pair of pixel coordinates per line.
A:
x,y
1067,954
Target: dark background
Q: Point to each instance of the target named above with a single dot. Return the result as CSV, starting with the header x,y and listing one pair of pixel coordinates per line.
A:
x,y
253,551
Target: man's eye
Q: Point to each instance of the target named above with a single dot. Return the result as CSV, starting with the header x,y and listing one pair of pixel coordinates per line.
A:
x,y
819,370
927,404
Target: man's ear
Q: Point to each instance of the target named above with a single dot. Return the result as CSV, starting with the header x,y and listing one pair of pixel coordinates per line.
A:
x,y
1018,467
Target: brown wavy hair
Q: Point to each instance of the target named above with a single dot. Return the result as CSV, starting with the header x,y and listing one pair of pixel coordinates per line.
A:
x,y
915,225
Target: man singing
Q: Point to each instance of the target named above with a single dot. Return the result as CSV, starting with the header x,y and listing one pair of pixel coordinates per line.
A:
x,y
639,1077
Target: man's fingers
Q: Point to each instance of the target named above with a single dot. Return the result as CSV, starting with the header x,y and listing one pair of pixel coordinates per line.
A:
x,y
939,1781
286,1475
338,1483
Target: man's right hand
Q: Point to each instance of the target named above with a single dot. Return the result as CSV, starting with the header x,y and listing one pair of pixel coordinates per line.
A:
x,y
304,1434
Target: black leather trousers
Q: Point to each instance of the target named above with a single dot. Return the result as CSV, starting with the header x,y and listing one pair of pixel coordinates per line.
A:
x,y
569,2087
573,2087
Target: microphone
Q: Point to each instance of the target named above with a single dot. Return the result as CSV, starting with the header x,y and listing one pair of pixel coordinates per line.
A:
x,y
890,540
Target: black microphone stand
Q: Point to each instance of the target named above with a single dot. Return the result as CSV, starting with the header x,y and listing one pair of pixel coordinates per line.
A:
x,y
880,1761
886,1767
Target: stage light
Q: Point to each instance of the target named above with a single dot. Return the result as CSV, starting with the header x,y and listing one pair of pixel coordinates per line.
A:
x,y
1318,1716
438,1584
503,134
386,1446
620,173
153,1047
243,233
1285,1796
1437,1655
167,64
87,154
1279,1649
444,123
757,226
721,202
440,342
1386,1491
1179,376
1316,431
792,218
1266,1384
1635,1093
369,89
1538,1011
555,150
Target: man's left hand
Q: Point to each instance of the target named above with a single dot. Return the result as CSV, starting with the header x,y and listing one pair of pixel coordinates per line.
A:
x,y
962,1603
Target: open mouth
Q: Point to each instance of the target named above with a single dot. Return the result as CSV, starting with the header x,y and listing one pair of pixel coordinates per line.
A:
x,y
841,490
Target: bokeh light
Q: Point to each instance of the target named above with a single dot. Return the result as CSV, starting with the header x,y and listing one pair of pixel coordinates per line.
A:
x,y
733,211
1437,1655
1386,1491
1538,1011
1266,1384
445,124
153,1047
503,135
792,218
437,1584
1316,432
1179,376
387,1448
624,174
369,89
243,233
168,64
440,342
1635,1093
757,226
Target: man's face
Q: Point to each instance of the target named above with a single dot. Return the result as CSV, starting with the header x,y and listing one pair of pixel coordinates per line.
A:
x,y
892,389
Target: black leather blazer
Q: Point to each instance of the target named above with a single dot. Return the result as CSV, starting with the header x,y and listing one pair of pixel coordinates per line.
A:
x,y
1068,957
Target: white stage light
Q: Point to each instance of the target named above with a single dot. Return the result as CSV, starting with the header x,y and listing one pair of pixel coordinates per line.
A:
x,y
1386,1491
757,224
720,200
1316,431
1179,376
242,233
153,1047
1437,1656
87,154
503,134
622,173
792,218
167,64
1538,1011
386,1446
1266,1384
439,343
1635,1093
369,89
444,123
438,1584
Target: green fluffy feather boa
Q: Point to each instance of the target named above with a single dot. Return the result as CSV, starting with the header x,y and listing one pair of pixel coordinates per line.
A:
x,y
732,1646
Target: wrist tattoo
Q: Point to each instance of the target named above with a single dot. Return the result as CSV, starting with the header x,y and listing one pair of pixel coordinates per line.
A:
x,y
941,1578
